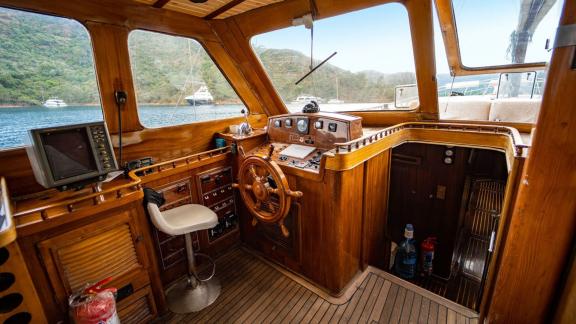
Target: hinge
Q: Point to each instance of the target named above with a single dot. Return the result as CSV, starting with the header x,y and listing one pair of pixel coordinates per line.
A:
x,y
565,36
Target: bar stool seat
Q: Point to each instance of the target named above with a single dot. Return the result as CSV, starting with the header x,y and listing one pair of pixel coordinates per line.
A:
x,y
184,219
194,293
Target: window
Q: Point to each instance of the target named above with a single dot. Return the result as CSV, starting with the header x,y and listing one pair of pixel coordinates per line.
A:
x,y
177,82
496,32
374,55
506,97
47,75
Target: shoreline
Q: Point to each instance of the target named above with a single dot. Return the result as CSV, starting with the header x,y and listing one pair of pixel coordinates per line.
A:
x,y
40,106
98,105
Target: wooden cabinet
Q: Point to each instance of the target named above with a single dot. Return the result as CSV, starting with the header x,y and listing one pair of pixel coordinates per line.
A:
x,y
111,247
209,185
216,192
171,248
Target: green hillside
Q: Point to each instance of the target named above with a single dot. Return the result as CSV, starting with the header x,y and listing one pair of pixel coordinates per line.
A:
x,y
43,57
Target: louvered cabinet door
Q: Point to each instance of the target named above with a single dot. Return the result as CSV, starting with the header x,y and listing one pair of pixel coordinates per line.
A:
x,y
111,247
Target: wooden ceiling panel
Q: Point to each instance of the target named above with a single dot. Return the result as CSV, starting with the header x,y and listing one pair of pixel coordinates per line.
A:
x,y
246,6
210,6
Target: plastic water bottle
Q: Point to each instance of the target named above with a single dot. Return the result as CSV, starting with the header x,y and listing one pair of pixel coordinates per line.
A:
x,y
405,261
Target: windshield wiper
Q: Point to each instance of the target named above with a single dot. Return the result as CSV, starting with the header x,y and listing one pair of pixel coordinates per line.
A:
x,y
315,68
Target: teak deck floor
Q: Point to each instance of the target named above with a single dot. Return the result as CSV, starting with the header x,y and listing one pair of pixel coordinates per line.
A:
x,y
254,291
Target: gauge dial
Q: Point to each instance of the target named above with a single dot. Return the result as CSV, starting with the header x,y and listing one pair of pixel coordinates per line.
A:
x,y
302,125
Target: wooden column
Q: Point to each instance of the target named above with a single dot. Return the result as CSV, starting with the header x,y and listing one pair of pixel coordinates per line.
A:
x,y
422,31
112,62
540,238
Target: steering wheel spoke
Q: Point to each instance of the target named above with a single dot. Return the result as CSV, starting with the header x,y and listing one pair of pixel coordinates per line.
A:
x,y
253,173
264,190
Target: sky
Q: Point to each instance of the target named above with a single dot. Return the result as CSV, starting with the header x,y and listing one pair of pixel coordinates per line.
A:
x,y
378,38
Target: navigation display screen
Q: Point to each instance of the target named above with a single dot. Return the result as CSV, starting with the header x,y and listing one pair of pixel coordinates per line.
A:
x,y
69,153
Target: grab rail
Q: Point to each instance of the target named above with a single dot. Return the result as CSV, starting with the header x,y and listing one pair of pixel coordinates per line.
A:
x,y
512,133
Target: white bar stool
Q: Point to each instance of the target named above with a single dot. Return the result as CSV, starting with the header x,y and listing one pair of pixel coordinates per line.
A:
x,y
193,294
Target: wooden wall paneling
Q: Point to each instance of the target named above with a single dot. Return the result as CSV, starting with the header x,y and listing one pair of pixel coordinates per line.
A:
x,y
422,31
543,223
375,246
332,227
177,141
110,46
235,41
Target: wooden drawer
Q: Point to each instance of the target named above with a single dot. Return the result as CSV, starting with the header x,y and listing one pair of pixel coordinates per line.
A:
x,y
138,307
176,194
213,179
217,195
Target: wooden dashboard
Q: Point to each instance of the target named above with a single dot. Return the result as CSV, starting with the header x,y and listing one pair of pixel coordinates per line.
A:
x,y
321,130
311,134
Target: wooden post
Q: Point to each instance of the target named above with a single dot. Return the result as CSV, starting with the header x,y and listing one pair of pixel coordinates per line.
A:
x,y
539,242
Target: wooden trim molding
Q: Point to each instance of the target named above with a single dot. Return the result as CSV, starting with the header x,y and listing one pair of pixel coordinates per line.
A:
x,y
7,228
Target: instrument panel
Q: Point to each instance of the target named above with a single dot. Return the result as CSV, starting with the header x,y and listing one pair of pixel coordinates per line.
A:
x,y
321,130
301,139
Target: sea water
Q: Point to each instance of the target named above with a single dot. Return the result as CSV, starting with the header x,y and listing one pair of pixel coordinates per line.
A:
x,y
15,122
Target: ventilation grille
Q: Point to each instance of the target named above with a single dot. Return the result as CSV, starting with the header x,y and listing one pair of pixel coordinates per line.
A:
x,y
108,254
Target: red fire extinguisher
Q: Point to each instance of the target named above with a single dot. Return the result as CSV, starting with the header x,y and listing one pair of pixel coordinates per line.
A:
x,y
427,256
94,305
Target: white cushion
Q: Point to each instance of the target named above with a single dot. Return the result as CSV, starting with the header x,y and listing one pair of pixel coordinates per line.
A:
x,y
464,108
515,110
183,219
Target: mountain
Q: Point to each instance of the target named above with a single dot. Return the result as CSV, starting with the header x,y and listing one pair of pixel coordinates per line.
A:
x,y
43,57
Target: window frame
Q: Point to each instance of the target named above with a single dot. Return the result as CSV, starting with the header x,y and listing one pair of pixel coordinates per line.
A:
x,y
447,20
215,62
93,54
416,109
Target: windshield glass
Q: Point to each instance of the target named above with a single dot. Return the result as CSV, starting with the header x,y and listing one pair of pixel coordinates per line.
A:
x,y
374,55
177,82
496,32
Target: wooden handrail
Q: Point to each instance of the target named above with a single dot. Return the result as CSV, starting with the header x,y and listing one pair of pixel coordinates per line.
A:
x,y
512,133
116,192
172,164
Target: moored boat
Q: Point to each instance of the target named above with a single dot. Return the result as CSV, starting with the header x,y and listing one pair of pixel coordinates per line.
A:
x,y
201,97
55,103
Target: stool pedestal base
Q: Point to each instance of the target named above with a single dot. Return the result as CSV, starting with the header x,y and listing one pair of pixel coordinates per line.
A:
x,y
183,298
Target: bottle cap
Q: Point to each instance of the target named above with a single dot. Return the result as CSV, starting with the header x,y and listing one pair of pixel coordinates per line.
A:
x,y
409,231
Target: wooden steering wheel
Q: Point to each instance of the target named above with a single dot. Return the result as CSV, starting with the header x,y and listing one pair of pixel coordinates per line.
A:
x,y
265,191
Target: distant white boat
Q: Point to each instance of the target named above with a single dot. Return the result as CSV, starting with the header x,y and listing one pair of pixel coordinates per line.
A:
x,y
55,103
200,97
335,101
306,99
